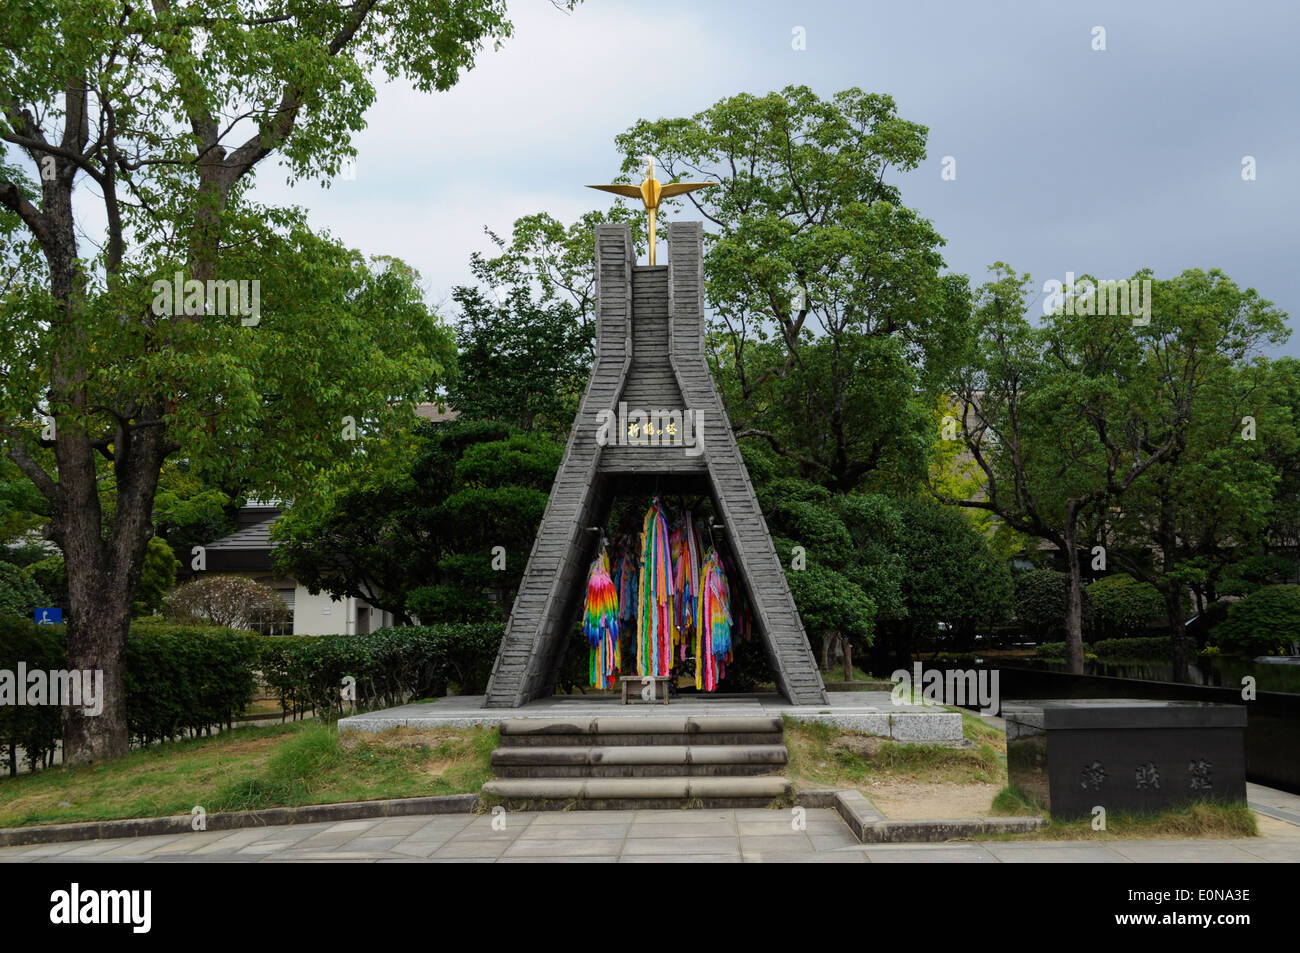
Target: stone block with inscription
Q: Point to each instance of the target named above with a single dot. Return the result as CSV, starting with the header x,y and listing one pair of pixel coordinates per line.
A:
x,y
1072,755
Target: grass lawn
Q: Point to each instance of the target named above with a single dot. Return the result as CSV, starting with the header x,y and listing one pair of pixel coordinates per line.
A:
x,y
280,765
1202,819
824,756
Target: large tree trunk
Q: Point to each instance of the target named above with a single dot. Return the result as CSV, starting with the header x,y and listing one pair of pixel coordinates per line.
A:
x,y
103,575
1173,593
1073,595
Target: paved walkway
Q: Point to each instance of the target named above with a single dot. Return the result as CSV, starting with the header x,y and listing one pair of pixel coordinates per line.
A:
x,y
726,836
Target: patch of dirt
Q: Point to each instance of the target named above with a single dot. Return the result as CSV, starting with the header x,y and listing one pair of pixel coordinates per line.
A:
x,y
867,746
437,767
903,800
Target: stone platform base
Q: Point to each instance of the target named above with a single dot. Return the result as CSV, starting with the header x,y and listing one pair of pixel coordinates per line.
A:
x,y
869,712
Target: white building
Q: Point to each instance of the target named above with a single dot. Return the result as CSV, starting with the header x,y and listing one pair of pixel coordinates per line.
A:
x,y
247,552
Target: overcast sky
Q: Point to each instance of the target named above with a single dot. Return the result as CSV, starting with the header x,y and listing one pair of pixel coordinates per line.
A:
x,y
1067,158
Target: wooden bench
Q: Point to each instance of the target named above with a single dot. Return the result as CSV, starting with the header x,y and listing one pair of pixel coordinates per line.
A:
x,y
652,688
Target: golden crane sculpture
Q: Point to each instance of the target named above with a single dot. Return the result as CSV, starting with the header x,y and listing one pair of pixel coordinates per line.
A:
x,y
652,193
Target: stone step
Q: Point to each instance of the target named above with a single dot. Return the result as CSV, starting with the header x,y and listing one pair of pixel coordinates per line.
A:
x,y
641,730
638,761
628,793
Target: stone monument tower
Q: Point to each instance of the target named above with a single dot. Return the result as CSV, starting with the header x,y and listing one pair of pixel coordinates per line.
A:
x,y
650,368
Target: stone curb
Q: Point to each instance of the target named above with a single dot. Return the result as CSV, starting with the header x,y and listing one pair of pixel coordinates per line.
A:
x,y
871,827
234,820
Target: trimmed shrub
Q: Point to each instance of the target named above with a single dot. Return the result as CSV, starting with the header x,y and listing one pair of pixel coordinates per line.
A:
x,y
178,679
1123,606
1263,623
1051,650
187,678
32,729
1040,603
389,666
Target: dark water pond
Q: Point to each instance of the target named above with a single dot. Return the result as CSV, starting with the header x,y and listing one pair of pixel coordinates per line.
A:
x,y
1214,672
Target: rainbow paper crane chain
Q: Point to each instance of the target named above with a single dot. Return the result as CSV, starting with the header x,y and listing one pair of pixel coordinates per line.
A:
x,y
655,636
600,624
625,580
714,645
686,582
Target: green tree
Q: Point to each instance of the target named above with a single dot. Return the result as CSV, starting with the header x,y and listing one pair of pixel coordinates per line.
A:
x,y
519,362
527,326
1062,420
19,592
1198,505
157,576
411,526
107,368
837,580
833,326
951,582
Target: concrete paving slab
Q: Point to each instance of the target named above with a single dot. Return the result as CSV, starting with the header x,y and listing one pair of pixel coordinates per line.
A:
x,y
796,857
681,845
780,843
607,859
922,855
557,832
641,830
556,847
1049,853
1184,853
680,859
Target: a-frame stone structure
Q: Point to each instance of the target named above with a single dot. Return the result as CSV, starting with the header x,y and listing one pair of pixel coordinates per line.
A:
x,y
649,355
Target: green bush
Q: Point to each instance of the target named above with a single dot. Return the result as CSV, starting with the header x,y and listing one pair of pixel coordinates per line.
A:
x,y
34,730
389,666
1050,650
178,679
19,592
1123,606
187,678
1040,603
1263,623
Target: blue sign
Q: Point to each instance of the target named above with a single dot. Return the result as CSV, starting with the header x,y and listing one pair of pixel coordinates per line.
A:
x,y
49,616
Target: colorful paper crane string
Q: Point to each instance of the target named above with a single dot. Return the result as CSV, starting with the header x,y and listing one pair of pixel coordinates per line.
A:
x,y
715,624
600,624
625,580
686,583
654,612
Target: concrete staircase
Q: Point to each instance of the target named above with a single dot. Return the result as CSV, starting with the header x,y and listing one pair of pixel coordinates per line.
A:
x,y
614,763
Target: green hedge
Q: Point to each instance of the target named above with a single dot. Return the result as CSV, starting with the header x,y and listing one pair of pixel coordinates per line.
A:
x,y
183,678
178,679
391,665
1123,606
1154,649
33,730
1263,623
